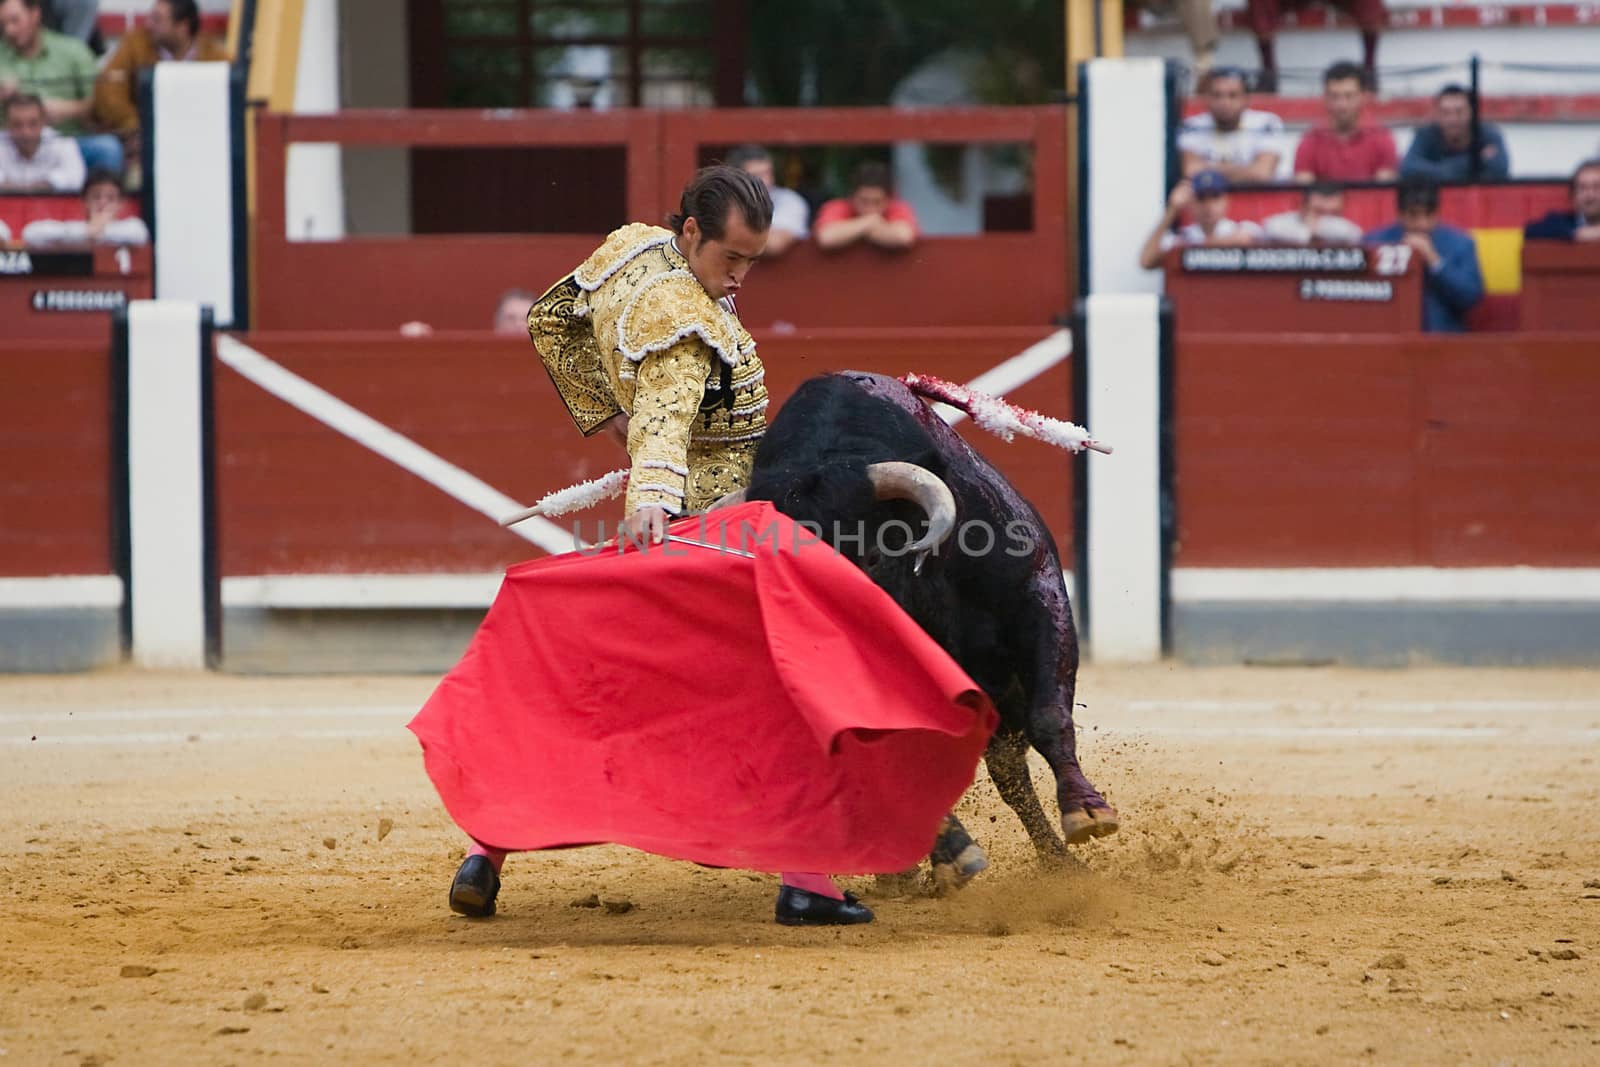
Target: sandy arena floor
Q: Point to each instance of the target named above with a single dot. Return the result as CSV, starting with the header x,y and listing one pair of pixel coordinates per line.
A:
x,y
1316,866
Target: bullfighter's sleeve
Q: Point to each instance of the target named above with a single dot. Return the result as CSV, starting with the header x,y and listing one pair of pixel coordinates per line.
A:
x,y
565,342
666,401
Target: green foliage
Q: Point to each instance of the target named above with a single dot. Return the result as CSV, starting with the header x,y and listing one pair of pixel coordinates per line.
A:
x,y
845,53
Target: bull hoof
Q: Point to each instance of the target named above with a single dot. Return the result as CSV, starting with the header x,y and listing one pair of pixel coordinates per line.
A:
x,y
949,877
1082,825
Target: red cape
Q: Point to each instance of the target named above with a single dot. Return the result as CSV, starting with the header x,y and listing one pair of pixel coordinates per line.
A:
x,y
766,708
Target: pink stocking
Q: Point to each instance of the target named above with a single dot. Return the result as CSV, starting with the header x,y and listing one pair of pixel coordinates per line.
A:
x,y
819,884
496,856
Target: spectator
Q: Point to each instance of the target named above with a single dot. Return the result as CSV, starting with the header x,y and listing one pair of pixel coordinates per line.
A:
x,y
1442,150
1452,284
58,69
172,34
1266,14
1320,218
101,223
33,157
5,232
1207,192
790,212
1582,223
871,213
1345,150
511,314
1230,137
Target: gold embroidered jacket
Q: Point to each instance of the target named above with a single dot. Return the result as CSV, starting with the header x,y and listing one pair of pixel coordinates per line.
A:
x,y
632,331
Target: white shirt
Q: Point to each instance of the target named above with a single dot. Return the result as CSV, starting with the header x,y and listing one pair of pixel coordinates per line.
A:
x,y
1192,234
1290,229
790,212
57,162
45,233
1257,132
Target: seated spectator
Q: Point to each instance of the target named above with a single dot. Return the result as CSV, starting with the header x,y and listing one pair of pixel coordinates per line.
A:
x,y
5,233
58,69
1452,284
1266,14
1345,150
1231,137
790,212
33,157
171,35
1582,223
1320,218
511,313
1208,193
871,214
101,224
1442,150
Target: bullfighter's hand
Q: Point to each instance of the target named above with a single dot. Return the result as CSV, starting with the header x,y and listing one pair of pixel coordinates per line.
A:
x,y
1587,233
648,525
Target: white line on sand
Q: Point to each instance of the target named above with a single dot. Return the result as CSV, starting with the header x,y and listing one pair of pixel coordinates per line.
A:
x,y
211,737
54,716
1376,707
1443,733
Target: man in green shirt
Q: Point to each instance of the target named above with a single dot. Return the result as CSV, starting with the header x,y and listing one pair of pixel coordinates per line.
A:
x,y
58,68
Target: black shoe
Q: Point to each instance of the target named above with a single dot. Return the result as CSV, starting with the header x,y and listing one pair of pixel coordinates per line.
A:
x,y
476,885
797,907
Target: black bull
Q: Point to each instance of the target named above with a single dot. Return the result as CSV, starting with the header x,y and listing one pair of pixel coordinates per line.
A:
x,y
992,596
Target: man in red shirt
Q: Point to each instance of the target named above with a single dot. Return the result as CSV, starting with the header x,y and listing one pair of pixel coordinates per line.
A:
x,y
871,213
1345,150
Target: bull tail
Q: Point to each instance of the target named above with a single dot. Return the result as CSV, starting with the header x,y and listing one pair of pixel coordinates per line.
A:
x,y
1000,417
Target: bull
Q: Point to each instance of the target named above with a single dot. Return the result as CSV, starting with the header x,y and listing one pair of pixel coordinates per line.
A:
x,y
866,461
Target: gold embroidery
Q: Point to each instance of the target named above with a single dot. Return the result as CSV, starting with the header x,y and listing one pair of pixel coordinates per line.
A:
x,y
565,342
631,330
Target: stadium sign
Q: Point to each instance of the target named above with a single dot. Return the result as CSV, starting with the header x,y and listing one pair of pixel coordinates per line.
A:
x,y
56,264
1204,260
49,300
1347,290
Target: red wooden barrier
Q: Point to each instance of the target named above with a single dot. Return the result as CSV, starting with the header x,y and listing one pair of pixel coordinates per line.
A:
x,y
1297,451
70,295
1006,279
55,454
1384,295
296,497
1560,286
451,282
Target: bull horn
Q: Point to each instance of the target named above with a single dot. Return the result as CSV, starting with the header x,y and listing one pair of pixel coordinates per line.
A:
x,y
907,481
729,500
